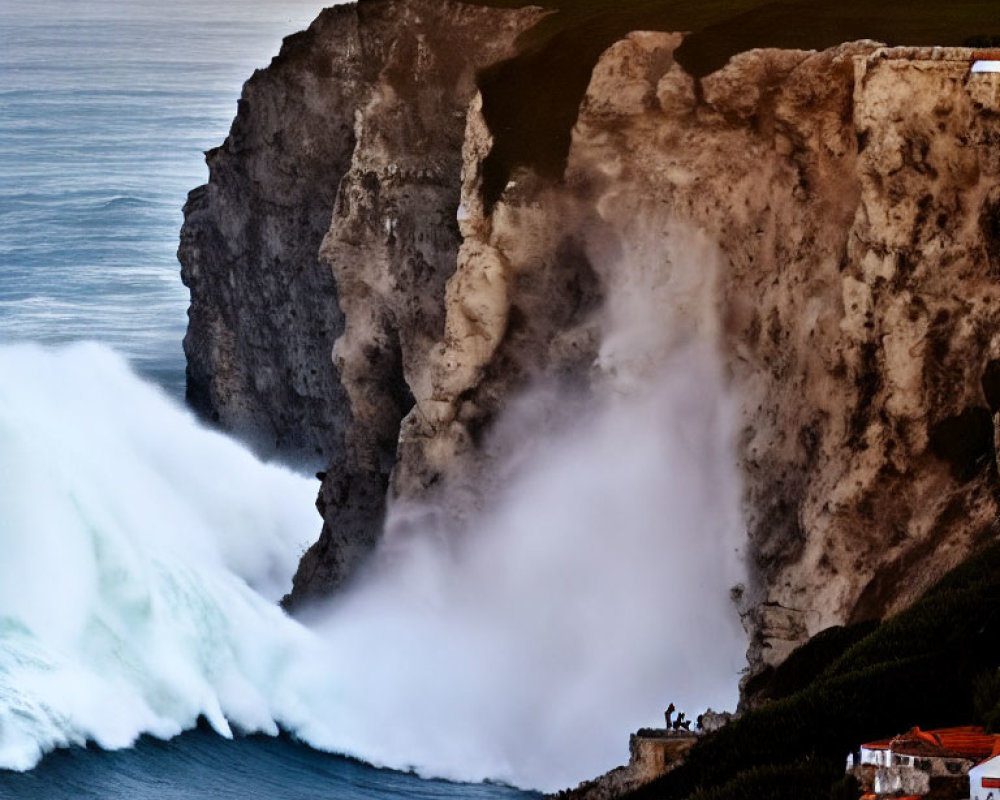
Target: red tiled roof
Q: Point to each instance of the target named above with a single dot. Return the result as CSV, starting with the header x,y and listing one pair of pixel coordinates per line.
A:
x,y
873,796
881,744
969,741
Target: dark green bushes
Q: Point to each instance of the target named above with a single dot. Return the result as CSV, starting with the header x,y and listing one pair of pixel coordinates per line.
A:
x,y
781,782
805,664
986,700
921,667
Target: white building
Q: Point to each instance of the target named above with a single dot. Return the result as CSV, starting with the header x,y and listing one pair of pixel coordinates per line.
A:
x,y
984,780
906,764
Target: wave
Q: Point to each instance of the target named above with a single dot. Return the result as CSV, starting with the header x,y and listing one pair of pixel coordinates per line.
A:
x,y
83,200
142,555
141,558
126,201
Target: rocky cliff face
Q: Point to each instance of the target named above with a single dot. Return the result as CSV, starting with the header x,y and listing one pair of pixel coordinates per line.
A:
x,y
853,193
318,252
848,201
264,314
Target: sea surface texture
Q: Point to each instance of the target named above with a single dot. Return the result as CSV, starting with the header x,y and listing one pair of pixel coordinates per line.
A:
x,y
105,109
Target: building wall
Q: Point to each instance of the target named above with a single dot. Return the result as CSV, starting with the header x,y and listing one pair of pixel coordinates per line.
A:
x,y
984,780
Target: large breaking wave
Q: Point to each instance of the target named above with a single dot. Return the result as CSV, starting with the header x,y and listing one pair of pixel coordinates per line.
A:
x,y
139,558
141,555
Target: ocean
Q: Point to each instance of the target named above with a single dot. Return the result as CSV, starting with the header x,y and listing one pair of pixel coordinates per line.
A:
x,y
199,765
106,107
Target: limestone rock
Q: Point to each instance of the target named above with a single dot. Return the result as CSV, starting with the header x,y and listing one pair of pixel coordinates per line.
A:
x,y
652,754
356,298
318,252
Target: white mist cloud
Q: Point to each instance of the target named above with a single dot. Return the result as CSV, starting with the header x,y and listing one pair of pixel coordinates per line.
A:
x,y
594,593
594,589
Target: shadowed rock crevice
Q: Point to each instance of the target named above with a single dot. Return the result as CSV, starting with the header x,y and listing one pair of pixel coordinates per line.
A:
x,y
991,385
965,441
531,101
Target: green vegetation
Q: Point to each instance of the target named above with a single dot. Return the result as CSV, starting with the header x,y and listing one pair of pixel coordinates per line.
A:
x,y
986,700
531,101
798,781
805,664
932,665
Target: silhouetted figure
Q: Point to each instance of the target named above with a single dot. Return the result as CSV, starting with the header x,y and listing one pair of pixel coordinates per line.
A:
x,y
680,722
668,714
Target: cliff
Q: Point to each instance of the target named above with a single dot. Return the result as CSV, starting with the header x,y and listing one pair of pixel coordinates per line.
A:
x,y
842,206
318,251
853,192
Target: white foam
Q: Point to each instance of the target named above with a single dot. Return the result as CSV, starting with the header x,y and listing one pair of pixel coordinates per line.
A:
x,y
141,556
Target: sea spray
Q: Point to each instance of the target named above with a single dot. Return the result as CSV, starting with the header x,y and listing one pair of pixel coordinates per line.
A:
x,y
592,594
140,556
593,586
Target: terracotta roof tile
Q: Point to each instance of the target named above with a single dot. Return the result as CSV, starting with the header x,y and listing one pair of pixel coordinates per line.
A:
x,y
969,741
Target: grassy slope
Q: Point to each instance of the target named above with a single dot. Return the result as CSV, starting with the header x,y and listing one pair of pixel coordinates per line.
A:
x,y
531,102
917,668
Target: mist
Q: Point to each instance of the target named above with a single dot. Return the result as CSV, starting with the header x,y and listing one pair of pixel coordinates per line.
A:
x,y
593,593
593,589
143,555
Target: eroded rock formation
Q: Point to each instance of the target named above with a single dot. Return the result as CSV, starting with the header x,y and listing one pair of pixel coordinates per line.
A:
x,y
318,252
852,192
264,314
849,201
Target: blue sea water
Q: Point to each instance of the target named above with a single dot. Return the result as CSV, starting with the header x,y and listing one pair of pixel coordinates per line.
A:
x,y
196,766
105,109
